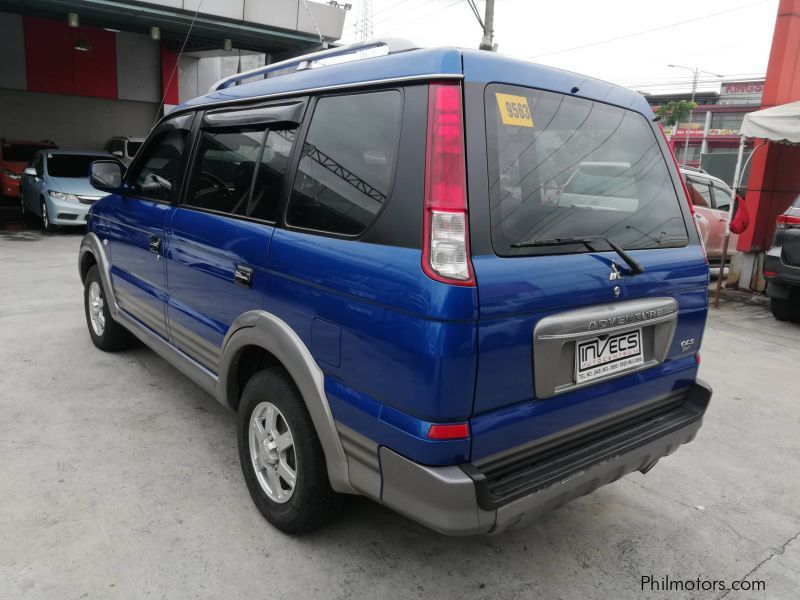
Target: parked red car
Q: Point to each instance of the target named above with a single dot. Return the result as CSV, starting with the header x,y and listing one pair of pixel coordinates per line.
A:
x,y
14,157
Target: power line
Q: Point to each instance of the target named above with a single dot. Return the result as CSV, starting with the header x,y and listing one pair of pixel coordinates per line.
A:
x,y
387,17
178,59
436,12
654,29
476,12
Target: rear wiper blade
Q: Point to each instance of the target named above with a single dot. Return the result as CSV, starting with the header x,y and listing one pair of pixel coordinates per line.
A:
x,y
635,266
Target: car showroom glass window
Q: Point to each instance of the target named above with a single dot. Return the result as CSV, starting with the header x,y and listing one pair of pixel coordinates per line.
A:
x,y
157,173
345,173
571,167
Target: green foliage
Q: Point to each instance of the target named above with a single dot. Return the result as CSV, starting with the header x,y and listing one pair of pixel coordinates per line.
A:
x,y
673,113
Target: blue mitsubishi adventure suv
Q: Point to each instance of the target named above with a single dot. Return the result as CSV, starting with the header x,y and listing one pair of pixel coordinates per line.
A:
x,y
465,286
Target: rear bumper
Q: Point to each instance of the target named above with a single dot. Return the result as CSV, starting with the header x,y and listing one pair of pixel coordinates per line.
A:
x,y
9,187
494,495
786,275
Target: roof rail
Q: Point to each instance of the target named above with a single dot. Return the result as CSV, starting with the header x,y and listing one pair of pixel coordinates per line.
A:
x,y
307,61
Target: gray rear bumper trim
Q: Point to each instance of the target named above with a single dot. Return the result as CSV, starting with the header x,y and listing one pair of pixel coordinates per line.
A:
x,y
445,498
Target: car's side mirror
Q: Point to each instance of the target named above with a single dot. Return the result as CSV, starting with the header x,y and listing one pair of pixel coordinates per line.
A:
x,y
30,171
117,153
106,175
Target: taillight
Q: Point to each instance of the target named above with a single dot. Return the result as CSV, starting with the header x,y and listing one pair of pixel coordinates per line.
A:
x,y
448,432
687,195
787,220
445,251
782,223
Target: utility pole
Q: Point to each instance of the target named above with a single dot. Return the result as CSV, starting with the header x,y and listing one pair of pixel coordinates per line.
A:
x,y
695,74
487,43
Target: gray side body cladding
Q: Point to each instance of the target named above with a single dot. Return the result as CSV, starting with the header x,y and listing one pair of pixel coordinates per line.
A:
x,y
254,328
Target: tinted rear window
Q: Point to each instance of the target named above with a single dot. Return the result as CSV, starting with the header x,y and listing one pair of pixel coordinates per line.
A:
x,y
70,165
563,167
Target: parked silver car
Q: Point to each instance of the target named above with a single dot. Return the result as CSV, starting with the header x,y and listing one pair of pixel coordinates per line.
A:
x,y
55,187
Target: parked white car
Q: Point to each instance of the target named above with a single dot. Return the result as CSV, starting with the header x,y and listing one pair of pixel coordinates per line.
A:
x,y
711,198
124,148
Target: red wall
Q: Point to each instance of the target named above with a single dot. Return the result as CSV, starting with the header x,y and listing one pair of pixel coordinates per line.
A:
x,y
169,75
774,174
54,66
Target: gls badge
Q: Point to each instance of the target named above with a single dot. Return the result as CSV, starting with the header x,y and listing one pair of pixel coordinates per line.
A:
x,y
687,345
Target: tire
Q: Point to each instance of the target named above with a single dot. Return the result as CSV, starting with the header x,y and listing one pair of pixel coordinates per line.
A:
x,y
781,309
310,502
106,333
47,226
28,217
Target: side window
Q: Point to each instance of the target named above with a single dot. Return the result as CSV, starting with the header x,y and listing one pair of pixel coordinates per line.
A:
x,y
700,191
722,198
38,165
345,171
223,170
265,202
157,175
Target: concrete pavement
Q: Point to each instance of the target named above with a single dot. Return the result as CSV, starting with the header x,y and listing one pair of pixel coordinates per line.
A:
x,y
119,478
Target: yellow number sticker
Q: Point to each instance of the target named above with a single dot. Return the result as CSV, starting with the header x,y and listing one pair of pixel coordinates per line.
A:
x,y
514,110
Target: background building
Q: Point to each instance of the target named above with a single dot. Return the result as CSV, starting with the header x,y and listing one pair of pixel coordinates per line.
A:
x,y
714,128
80,71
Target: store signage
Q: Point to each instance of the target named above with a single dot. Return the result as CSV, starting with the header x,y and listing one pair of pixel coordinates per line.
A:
x,y
743,87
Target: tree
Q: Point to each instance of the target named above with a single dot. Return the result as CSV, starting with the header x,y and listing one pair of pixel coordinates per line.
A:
x,y
675,112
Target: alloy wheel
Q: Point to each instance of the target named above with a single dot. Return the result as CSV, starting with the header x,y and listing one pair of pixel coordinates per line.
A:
x,y
272,452
97,315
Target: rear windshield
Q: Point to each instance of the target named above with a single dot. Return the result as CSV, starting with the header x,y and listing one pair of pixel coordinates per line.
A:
x,y
565,167
20,152
70,165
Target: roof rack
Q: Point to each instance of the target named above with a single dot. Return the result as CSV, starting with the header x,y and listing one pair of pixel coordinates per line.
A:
x,y
309,61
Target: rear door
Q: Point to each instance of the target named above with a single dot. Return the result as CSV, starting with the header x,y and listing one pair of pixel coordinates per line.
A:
x,y
567,333
219,236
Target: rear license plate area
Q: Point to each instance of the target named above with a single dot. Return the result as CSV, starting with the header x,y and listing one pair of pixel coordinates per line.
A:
x,y
603,356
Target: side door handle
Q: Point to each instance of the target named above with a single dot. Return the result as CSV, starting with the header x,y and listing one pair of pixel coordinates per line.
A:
x,y
243,276
155,244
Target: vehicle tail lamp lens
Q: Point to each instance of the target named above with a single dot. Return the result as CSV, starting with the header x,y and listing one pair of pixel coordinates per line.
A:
x,y
788,220
449,432
445,253
770,273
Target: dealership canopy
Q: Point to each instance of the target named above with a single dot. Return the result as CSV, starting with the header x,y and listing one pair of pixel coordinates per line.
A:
x,y
777,124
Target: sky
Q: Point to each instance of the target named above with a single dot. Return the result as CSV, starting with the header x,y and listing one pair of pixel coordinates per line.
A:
x,y
735,43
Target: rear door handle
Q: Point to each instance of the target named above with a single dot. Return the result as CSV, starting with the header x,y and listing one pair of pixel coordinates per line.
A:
x,y
243,276
155,244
